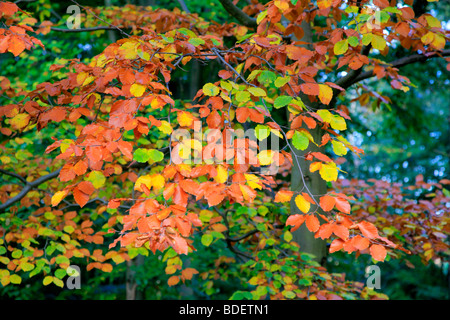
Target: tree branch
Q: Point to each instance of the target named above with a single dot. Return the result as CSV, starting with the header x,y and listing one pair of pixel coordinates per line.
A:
x,y
28,187
240,15
248,234
398,64
15,175
183,6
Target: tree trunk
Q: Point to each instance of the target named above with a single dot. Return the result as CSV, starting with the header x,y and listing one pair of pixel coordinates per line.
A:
x,y
132,292
317,186
111,33
313,182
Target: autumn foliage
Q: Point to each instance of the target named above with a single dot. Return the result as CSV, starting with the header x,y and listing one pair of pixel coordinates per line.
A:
x,y
118,155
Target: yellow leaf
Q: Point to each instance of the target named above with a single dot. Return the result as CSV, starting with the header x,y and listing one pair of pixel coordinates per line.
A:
x,y
339,148
315,166
20,121
14,278
165,127
156,181
146,180
302,203
222,174
128,50
338,123
438,41
185,119
265,157
97,178
325,93
325,115
137,89
328,171
427,38
257,92
57,197
252,181
378,42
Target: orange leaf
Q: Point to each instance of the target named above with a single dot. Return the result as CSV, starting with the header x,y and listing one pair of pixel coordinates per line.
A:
x,y
173,280
336,245
342,205
327,203
188,273
180,245
8,8
283,196
378,252
340,231
324,231
189,186
312,223
360,243
368,229
295,220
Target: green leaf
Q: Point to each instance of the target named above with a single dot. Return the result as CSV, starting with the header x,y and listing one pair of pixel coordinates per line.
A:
x,y
281,81
207,239
97,178
353,41
446,192
62,259
155,155
367,38
339,148
210,89
266,77
300,140
242,96
60,273
341,47
16,279
261,16
27,266
141,155
282,101
16,254
196,41
262,132
257,92
287,236
47,280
